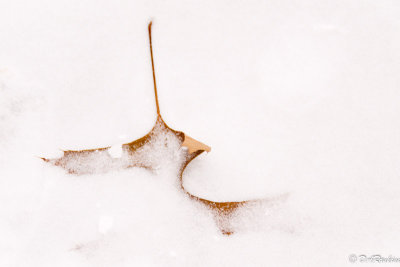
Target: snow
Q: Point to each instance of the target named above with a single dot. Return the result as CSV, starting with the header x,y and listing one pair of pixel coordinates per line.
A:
x,y
298,100
115,151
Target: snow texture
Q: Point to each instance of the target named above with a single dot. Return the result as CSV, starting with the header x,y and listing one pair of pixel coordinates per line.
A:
x,y
299,101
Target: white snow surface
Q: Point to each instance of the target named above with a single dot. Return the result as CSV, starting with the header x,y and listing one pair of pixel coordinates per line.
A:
x,y
296,98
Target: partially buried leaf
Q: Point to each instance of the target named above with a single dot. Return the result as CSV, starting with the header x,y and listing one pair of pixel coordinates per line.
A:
x,y
138,154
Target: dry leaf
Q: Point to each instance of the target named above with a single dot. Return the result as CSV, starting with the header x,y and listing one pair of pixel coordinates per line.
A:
x,y
136,154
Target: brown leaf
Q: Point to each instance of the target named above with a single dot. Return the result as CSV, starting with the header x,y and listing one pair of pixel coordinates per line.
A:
x,y
136,154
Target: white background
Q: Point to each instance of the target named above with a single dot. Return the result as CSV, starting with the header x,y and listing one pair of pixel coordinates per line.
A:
x,y
294,97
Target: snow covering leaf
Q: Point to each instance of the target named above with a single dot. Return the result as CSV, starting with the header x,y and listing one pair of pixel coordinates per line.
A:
x,y
140,153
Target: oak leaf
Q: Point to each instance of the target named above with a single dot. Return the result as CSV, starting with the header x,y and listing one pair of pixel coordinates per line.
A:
x,y
138,154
